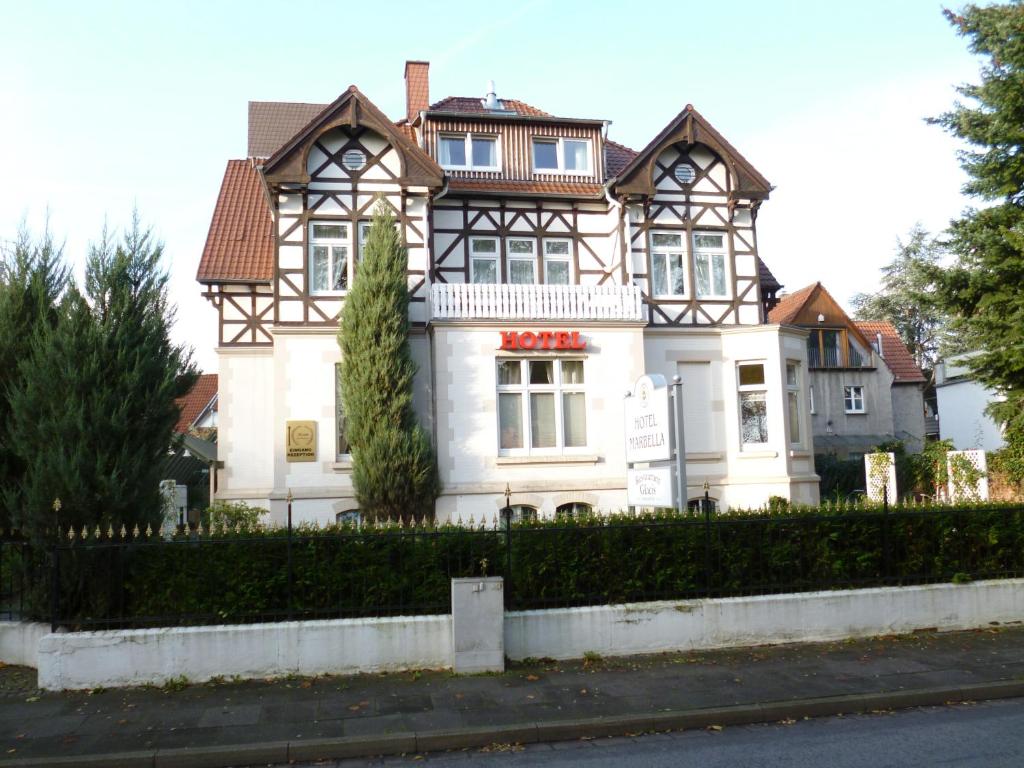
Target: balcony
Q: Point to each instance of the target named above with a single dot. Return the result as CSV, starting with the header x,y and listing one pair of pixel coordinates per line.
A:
x,y
487,301
830,357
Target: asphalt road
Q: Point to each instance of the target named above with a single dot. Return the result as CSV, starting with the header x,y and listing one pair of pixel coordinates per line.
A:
x,y
986,734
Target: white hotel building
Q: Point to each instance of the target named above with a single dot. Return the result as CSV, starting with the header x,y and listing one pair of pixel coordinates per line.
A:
x,y
549,267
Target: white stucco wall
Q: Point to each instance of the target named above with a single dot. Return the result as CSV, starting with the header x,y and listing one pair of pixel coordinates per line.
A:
x,y
962,416
621,630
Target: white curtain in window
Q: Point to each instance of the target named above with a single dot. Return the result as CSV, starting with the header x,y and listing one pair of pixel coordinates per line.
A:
x,y
659,280
718,262
677,274
510,420
542,419
576,156
521,271
340,274
452,151
574,416
703,274
484,154
557,272
319,278
485,271
794,417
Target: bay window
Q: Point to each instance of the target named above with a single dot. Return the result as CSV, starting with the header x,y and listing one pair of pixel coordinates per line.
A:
x,y
753,403
541,405
793,401
668,257
556,262
709,264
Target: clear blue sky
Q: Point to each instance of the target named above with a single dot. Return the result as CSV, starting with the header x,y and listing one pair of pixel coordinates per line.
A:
x,y
110,105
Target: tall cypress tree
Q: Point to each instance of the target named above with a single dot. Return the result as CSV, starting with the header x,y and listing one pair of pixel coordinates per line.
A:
x,y
33,277
984,288
394,469
94,412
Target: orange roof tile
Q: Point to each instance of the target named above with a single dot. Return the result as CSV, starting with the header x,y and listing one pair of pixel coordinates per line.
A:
x,y
240,243
570,189
894,351
192,405
789,306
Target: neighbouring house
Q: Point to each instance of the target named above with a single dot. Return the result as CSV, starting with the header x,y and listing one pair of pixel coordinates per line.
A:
x,y
962,403
549,268
190,467
865,387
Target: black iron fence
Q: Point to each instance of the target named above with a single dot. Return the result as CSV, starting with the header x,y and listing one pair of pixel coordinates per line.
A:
x,y
144,581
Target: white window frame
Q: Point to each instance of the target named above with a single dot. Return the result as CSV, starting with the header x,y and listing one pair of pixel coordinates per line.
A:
x,y
665,252
510,257
762,389
330,242
793,391
559,142
851,399
565,258
485,257
467,138
524,389
710,253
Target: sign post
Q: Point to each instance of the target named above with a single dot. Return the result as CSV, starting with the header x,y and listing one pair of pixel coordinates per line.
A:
x,y
652,436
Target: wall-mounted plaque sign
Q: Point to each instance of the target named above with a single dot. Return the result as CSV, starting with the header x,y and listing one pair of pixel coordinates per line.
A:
x,y
300,444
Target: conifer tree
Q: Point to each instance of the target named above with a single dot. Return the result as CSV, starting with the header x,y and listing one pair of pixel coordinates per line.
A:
x,y
33,277
394,469
985,288
94,412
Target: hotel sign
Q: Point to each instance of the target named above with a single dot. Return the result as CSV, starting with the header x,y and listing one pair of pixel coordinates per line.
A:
x,y
648,426
650,487
557,340
300,444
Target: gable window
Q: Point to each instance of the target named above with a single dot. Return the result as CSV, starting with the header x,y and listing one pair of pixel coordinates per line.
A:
x,y
468,151
541,405
709,264
853,399
559,155
667,264
483,259
556,262
753,404
522,260
793,401
329,257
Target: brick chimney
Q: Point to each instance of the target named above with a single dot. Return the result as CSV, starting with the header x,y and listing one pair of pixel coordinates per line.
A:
x,y
417,88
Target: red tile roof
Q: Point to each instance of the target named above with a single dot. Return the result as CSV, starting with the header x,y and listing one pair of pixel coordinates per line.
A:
x,y
569,189
474,105
272,123
240,243
195,402
616,157
789,306
894,351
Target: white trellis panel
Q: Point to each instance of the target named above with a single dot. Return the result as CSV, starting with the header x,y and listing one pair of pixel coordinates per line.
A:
x,y
880,473
973,488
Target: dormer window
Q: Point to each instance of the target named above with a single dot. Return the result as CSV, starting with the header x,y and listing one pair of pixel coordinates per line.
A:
x,y
559,155
468,152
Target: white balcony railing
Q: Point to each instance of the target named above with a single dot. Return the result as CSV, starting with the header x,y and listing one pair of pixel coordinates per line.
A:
x,y
465,301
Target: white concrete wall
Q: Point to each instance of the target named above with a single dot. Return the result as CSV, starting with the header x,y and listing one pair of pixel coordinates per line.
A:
x,y
245,433
19,642
621,630
81,660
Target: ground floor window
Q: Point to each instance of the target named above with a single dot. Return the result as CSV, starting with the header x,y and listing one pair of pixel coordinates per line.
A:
x,y
853,399
523,513
541,405
348,517
573,509
697,505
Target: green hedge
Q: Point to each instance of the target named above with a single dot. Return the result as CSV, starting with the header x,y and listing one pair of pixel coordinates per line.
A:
x,y
344,572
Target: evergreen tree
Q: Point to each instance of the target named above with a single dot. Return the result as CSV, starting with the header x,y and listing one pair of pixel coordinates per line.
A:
x,y
94,412
984,287
33,276
394,470
907,299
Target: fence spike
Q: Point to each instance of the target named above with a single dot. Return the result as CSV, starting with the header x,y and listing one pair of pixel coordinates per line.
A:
x,y
71,533
238,527
97,534
136,531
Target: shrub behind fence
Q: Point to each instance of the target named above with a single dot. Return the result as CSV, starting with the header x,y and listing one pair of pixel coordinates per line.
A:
x,y
343,572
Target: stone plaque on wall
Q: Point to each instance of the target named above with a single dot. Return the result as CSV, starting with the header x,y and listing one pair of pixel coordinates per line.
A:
x,y
300,442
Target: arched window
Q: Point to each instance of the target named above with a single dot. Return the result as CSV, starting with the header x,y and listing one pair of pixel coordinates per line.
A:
x,y
574,509
348,517
696,505
523,512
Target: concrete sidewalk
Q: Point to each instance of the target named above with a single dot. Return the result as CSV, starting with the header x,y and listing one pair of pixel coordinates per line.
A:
x,y
232,724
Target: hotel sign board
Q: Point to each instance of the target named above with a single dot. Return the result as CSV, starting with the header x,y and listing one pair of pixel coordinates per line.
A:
x,y
300,444
648,422
650,487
